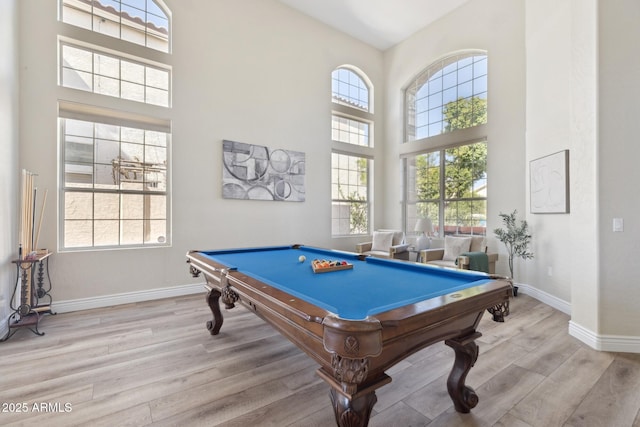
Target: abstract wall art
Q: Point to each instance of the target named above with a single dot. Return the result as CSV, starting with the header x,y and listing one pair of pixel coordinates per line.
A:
x,y
256,172
550,183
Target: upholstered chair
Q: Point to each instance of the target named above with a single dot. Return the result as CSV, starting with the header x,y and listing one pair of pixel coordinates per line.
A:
x,y
459,251
385,244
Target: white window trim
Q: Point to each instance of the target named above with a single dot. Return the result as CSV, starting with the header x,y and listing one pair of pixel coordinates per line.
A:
x,y
341,109
441,148
95,107
65,41
69,110
430,68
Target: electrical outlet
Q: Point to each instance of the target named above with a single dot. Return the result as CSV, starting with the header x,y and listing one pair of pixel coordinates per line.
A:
x,y
618,224
549,271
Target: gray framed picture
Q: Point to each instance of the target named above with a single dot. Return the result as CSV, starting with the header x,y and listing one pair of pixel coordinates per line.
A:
x,y
549,183
256,172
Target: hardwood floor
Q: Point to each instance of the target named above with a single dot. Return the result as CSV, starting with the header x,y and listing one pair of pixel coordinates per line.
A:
x,y
155,364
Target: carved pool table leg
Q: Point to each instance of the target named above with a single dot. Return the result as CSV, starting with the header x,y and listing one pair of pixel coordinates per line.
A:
x,y
352,401
354,412
213,297
464,397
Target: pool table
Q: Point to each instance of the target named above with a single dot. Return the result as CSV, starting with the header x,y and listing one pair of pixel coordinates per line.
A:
x,y
359,320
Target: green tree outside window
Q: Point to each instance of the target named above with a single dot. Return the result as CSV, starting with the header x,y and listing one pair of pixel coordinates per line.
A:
x,y
464,171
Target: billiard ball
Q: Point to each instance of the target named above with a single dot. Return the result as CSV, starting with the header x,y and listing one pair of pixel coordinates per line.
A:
x,y
302,258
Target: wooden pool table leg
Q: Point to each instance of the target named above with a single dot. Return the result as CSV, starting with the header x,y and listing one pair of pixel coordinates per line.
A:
x,y
352,412
213,300
351,400
229,298
464,397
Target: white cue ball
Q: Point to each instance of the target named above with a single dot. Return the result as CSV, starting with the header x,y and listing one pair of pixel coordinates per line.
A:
x,y
302,258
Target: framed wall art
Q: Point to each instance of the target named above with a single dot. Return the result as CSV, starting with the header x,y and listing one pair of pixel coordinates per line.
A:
x,y
549,183
256,172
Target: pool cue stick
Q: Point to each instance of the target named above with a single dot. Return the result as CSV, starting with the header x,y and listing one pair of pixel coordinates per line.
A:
x,y
25,212
30,214
21,233
17,300
28,239
23,227
25,205
44,202
28,235
33,218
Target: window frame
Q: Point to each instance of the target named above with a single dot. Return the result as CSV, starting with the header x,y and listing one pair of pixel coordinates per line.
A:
x,y
361,83
342,201
104,17
440,142
440,223
122,57
431,71
352,134
69,113
341,108
96,107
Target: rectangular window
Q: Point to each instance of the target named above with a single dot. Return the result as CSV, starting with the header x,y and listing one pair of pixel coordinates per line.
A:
x,y
449,187
97,72
114,185
350,194
350,131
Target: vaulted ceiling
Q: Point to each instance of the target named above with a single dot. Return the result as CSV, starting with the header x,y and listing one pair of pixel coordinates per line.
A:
x,y
379,23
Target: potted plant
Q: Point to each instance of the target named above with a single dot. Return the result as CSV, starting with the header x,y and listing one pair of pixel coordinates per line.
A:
x,y
516,238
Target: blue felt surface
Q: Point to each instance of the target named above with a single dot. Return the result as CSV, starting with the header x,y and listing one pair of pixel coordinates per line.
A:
x,y
371,287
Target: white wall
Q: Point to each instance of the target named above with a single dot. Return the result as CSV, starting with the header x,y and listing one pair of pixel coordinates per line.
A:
x,y
254,71
497,27
562,114
548,131
9,174
618,154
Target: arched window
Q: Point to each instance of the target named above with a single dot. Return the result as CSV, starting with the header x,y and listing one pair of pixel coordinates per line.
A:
x,y
352,156
450,94
348,88
448,185
143,22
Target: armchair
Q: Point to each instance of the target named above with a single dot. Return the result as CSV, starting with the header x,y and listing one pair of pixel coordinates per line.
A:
x,y
458,253
385,244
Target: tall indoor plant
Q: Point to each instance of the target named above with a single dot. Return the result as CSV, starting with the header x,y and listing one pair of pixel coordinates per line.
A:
x,y
515,237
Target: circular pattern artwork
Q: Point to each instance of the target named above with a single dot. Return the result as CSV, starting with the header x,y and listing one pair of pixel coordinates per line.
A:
x,y
253,172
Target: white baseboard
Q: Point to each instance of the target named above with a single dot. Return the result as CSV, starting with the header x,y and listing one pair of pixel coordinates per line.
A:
x,y
544,297
125,298
613,343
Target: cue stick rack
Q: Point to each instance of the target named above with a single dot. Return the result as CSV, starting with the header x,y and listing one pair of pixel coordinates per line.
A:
x,y
31,296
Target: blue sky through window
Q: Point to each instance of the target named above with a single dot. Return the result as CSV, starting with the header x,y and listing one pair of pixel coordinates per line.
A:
x,y
349,88
449,80
145,10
